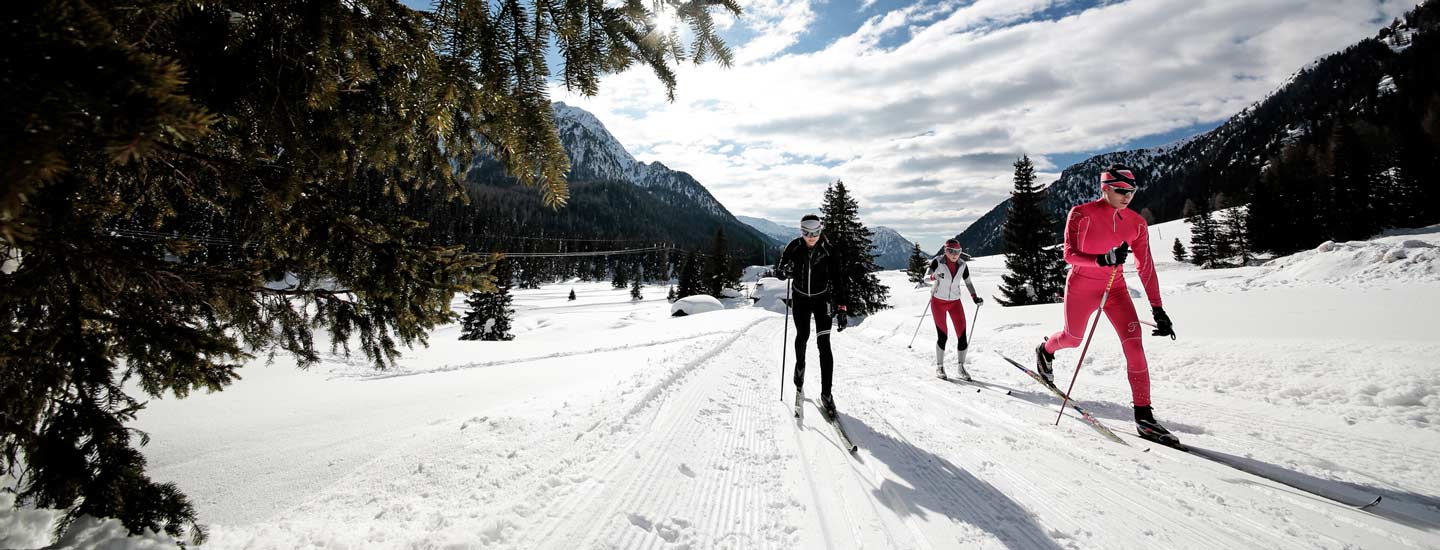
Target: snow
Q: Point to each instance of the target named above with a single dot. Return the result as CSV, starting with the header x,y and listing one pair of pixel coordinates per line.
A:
x,y
608,424
691,305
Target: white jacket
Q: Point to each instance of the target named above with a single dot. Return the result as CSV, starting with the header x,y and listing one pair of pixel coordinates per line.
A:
x,y
946,287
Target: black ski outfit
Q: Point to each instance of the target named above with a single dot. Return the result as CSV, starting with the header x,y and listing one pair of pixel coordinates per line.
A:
x,y
817,287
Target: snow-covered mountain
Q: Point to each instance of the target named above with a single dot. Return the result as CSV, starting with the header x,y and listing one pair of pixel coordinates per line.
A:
x,y
778,233
595,155
891,249
613,195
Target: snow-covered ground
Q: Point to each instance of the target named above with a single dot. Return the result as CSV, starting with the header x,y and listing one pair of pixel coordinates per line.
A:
x,y
607,423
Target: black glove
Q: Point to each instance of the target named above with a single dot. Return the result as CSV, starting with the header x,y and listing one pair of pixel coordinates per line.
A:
x,y
1115,256
978,300
1163,327
841,319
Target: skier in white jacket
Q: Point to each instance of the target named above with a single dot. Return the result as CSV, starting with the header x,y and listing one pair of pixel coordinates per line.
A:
x,y
946,270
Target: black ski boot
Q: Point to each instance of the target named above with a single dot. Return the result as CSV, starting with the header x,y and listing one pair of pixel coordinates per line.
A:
x,y
1043,361
827,406
1149,429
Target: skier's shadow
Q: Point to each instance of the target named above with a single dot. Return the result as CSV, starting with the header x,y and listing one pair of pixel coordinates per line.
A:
x,y
934,484
1101,409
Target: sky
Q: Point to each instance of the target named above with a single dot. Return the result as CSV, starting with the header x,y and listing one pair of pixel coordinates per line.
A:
x,y
922,107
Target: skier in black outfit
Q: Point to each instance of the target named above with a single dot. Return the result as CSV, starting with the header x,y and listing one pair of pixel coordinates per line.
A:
x,y
817,289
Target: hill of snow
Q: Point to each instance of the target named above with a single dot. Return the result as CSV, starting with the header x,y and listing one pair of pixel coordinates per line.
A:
x,y
607,423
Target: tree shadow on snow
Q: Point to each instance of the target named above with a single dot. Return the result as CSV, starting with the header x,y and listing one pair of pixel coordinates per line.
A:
x,y
933,484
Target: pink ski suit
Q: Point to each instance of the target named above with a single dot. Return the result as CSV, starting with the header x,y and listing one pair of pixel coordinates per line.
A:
x,y
1092,230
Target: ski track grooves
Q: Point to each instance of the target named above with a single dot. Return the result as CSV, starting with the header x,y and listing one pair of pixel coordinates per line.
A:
x,y
631,510
557,355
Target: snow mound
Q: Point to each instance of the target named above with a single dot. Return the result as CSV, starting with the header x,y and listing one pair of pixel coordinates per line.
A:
x,y
31,528
691,305
754,273
1413,256
769,292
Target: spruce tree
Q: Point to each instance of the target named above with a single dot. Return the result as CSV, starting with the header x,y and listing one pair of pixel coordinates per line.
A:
x,y
489,312
690,283
572,295
1178,251
850,240
619,280
720,270
167,159
635,288
1354,212
1233,225
1203,234
915,271
1035,264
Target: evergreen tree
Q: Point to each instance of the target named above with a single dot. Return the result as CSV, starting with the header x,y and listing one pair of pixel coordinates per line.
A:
x,y
489,315
227,143
619,280
851,241
1355,214
720,270
572,295
918,264
1233,225
635,288
1203,234
1036,266
1178,251
690,283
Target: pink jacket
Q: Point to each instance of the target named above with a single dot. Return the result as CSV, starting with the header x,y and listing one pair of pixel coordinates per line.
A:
x,y
1094,228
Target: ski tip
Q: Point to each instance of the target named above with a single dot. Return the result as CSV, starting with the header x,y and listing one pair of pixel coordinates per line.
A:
x,y
1007,392
1377,500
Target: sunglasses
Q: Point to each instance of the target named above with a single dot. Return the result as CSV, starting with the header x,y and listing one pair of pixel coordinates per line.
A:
x,y
1122,190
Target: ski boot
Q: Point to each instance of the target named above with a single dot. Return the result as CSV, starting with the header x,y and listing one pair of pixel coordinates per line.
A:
x,y
799,404
960,368
1043,362
827,406
1151,430
940,362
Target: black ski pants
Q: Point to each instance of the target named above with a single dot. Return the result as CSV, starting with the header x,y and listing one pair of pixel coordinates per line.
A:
x,y
804,308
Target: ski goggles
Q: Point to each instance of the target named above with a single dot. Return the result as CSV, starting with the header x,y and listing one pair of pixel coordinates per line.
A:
x,y
811,228
1122,190
952,250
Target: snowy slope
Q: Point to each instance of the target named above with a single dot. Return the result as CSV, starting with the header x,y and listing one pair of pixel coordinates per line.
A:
x,y
891,249
608,424
778,233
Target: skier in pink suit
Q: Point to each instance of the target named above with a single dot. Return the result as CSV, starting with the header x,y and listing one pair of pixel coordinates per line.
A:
x,y
1097,235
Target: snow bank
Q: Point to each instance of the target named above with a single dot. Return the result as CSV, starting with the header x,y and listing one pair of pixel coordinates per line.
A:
x,y
1410,257
691,305
754,273
30,528
769,292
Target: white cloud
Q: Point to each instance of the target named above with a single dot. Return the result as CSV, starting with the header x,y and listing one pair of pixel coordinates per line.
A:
x,y
958,94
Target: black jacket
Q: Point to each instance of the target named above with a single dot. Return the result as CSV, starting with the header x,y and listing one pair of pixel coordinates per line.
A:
x,y
813,271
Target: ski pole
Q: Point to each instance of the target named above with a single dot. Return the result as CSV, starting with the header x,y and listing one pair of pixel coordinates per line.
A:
x,y
970,340
784,341
1099,312
917,325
